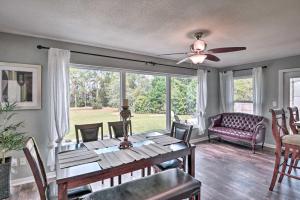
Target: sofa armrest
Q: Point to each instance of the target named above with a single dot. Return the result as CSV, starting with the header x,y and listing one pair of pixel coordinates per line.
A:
x,y
259,131
215,120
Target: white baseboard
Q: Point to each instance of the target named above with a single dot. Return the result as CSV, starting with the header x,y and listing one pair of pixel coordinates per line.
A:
x,y
201,139
272,146
29,179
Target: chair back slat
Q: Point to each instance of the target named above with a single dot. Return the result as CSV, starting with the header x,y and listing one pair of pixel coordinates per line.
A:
x,y
36,165
294,117
89,132
181,131
279,128
116,129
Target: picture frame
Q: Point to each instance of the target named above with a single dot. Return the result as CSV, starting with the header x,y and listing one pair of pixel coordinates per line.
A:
x,y
21,83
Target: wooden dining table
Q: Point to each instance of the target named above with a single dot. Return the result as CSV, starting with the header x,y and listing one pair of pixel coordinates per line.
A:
x,y
75,176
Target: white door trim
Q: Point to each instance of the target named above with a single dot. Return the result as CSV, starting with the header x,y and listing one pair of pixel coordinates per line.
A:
x,y
281,84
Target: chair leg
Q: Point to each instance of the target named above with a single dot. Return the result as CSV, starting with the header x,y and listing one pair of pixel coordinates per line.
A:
x,y
198,196
262,146
292,164
148,171
286,158
276,170
143,172
102,182
296,163
119,179
111,182
208,137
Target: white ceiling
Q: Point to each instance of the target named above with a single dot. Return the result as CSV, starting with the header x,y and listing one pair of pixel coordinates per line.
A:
x,y
268,28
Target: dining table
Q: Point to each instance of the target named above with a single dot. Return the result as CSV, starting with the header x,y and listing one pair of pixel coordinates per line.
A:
x,y
84,163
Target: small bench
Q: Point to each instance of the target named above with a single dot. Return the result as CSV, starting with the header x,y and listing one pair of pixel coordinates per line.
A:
x,y
170,184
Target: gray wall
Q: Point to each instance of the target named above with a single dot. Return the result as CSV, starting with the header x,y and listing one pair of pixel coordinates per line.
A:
x,y
22,49
270,83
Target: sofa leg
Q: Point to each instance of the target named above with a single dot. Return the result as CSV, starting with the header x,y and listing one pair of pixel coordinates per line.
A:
x,y
253,148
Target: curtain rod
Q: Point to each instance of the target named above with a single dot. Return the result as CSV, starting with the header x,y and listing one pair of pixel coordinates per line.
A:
x,y
237,70
120,58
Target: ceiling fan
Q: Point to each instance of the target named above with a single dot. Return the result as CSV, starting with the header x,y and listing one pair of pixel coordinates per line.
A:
x,y
198,51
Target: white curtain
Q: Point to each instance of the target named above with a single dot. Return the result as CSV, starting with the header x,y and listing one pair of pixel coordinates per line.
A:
x,y
226,91
58,84
257,74
201,99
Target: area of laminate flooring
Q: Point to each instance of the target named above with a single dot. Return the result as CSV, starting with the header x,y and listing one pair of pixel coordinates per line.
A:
x,y
227,172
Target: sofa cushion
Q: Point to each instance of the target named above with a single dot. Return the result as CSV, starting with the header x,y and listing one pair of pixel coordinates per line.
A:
x,y
236,133
241,121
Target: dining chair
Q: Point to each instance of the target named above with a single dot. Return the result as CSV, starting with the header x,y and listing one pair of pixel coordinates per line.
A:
x,y
294,117
182,132
116,129
47,190
286,144
89,132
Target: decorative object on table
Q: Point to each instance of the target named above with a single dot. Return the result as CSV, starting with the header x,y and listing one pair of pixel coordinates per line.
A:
x,y
125,115
10,139
21,83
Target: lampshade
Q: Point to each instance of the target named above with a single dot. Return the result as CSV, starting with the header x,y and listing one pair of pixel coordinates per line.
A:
x,y
196,59
199,45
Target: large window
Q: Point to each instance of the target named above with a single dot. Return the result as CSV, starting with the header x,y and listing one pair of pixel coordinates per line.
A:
x,y
147,99
243,94
294,91
94,97
183,99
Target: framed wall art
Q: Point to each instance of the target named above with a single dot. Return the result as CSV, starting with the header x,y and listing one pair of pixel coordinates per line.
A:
x,y
21,83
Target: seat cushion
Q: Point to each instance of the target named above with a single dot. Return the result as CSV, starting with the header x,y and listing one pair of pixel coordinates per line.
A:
x,y
170,184
175,163
291,139
52,191
236,133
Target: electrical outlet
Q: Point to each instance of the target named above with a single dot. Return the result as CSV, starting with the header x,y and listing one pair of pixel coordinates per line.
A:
x,y
14,162
23,161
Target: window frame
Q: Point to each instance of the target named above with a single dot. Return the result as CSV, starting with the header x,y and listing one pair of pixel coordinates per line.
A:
x,y
239,101
123,72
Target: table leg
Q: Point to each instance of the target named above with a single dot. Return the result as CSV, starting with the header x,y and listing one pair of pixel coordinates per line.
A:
x,y
62,191
191,162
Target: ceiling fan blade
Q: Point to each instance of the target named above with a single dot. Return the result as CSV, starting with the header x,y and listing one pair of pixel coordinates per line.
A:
x,y
183,60
212,57
226,49
167,54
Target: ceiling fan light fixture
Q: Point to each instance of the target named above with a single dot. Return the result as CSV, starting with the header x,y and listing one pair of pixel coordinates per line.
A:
x,y
199,45
197,59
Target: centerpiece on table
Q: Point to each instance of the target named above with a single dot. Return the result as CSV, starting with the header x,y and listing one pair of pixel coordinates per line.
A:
x,y
10,139
125,115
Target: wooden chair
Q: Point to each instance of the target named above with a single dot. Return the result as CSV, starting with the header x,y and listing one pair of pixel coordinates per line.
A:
x,y
287,144
116,129
89,132
182,132
47,190
294,117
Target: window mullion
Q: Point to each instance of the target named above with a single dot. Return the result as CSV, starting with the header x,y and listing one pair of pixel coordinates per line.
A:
x,y
168,103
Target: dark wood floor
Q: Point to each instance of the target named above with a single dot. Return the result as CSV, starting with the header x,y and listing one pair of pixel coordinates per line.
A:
x,y
227,172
